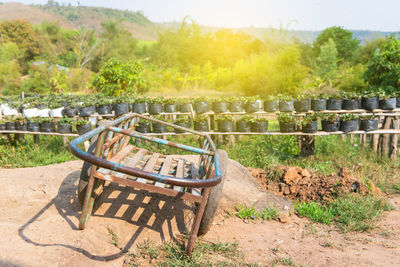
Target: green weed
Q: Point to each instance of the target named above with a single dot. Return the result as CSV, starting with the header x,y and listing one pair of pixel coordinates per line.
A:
x,y
244,212
315,212
114,237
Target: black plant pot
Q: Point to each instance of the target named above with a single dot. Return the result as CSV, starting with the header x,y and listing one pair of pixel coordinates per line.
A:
x,y
302,105
271,105
155,108
387,104
139,108
287,127
21,127
348,126
225,126
286,106
143,128
318,104
350,104
310,128
182,124
397,102
33,126
41,106
235,106
159,128
64,128
185,108
220,107
2,126
369,125
370,103
86,111
69,112
243,126
47,127
201,126
334,104
252,106
84,129
121,108
170,108
259,126
104,109
10,126
201,107
330,126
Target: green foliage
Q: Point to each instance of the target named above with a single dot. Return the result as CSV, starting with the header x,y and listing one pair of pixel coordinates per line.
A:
x,y
309,118
116,78
285,117
250,213
346,45
327,60
348,117
10,70
384,67
314,211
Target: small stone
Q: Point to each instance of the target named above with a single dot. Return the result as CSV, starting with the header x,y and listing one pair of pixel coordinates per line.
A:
x,y
305,173
283,218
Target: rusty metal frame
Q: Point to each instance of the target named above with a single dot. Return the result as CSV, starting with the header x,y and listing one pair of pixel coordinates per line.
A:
x,y
114,136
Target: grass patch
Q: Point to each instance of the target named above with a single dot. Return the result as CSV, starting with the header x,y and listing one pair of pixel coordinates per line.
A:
x,y
350,213
250,213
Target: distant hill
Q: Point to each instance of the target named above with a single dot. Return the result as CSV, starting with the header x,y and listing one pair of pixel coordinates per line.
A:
x,y
140,26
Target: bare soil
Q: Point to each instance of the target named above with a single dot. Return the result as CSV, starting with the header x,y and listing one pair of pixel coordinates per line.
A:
x,y
39,215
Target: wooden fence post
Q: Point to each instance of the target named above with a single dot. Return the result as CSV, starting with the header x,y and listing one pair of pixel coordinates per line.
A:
x,y
395,139
307,145
385,137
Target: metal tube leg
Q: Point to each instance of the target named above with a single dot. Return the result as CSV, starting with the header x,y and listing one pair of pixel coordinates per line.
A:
x,y
87,204
197,221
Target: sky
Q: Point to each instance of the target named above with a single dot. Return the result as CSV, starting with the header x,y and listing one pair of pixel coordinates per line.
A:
x,y
381,15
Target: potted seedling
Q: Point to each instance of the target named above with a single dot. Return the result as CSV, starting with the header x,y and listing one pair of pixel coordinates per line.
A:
x,y
156,105
103,105
184,105
351,100
271,104
20,124
143,126
182,121
330,122
158,127
201,105
87,108
121,105
82,126
2,125
33,125
235,104
309,124
287,122
334,102
252,104
348,123
243,125
47,125
71,110
259,125
10,123
220,105
170,105
302,103
318,102
56,109
140,105
201,123
368,123
386,100
369,101
285,103
225,123
64,125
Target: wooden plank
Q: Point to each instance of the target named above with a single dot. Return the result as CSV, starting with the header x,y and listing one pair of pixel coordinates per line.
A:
x,y
117,158
165,170
149,166
132,162
179,173
194,173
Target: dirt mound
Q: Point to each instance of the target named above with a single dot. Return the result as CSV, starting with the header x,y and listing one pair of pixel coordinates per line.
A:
x,y
296,183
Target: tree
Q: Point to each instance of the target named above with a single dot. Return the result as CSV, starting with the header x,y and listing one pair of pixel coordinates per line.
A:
x,y
366,52
10,74
384,67
327,60
116,78
346,45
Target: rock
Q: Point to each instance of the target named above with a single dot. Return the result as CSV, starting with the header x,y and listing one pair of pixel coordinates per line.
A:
x,y
291,174
283,218
305,173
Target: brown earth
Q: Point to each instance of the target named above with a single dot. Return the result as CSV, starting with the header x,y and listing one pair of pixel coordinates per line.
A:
x,y
296,183
39,215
